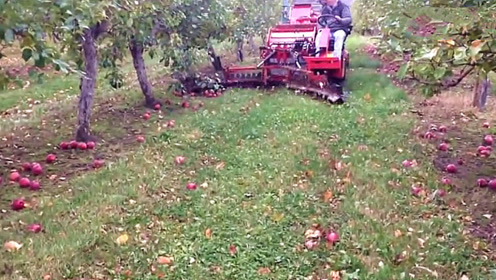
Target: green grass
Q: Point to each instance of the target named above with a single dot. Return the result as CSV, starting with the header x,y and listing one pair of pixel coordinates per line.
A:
x,y
272,147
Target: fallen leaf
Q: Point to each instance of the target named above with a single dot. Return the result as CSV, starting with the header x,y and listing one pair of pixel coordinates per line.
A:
x,y
208,233
277,217
165,260
12,246
309,173
264,270
367,97
220,165
122,239
328,196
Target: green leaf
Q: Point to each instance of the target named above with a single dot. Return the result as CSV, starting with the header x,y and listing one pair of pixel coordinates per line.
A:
x,y
460,54
403,70
9,36
439,72
27,54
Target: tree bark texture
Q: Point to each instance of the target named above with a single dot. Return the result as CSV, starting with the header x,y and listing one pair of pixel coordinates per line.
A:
x,y
136,49
88,83
239,50
482,89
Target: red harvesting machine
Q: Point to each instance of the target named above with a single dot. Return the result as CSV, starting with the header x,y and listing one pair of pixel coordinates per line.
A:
x,y
292,58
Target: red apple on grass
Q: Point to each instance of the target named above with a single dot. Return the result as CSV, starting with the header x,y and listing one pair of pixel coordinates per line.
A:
x,y
36,169
332,237
64,145
481,182
180,159
185,104
443,128
156,107
140,139
24,183
27,166
17,204
492,184
50,158
14,176
443,147
489,140
98,163
451,168
486,125
191,186
446,181
34,228
82,146
35,186
91,145
73,144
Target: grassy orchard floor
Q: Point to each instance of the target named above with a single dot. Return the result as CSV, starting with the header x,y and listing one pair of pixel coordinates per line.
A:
x,y
270,165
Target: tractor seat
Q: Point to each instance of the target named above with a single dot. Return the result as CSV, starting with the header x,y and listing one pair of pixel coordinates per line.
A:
x,y
331,41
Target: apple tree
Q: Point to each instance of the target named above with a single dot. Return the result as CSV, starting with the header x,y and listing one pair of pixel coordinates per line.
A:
x,y
438,45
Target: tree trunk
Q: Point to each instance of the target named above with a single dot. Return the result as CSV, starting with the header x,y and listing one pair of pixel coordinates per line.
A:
x,y
481,90
88,83
239,50
253,47
136,49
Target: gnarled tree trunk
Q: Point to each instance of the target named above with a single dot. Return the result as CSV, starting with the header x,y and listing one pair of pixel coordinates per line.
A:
x,y
88,81
481,90
136,49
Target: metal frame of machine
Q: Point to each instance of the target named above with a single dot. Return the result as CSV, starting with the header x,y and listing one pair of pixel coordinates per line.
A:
x,y
291,57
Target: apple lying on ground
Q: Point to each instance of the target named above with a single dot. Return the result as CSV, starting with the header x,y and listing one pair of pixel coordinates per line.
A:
x,y
481,182
36,169
451,168
156,107
486,125
27,166
24,183
35,228
488,140
91,145
73,144
50,158
180,159
140,139
146,116
443,147
14,176
82,146
34,186
492,184
17,204
98,163
64,145
191,186
443,129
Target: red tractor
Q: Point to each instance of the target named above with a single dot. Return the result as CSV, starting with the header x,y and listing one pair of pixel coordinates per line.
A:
x,y
292,58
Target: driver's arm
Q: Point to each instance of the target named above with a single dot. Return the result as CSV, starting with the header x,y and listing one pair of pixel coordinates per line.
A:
x,y
345,15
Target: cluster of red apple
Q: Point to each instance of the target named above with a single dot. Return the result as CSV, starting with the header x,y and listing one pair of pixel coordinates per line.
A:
x,y
483,151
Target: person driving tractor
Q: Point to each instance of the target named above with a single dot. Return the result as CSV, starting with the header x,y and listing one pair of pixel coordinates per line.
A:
x,y
339,24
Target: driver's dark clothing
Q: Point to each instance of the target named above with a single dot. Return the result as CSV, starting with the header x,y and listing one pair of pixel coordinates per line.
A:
x,y
341,10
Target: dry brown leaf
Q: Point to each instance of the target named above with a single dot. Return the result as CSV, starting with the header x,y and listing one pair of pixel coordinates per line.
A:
x,y
208,233
367,97
220,165
328,195
264,270
309,173
165,260
122,239
277,217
